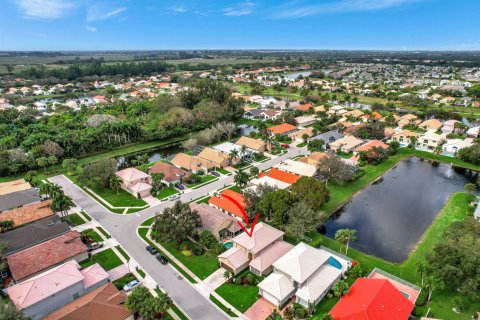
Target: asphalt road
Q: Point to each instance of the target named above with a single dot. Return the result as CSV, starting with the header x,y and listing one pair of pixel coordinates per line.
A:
x,y
124,229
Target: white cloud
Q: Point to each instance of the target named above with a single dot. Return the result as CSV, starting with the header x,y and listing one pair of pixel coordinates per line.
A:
x,y
91,29
97,13
295,11
180,9
44,8
242,9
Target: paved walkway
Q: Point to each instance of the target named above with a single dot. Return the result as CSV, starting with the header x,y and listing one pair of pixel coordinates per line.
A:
x,y
216,279
118,272
151,200
123,229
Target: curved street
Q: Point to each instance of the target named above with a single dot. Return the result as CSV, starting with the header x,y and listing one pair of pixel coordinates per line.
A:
x,y
124,229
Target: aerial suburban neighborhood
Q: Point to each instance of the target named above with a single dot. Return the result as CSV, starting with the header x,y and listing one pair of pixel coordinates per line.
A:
x,y
252,184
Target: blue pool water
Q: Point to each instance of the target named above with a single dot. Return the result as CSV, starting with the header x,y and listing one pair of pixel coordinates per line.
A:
x,y
228,245
334,263
406,295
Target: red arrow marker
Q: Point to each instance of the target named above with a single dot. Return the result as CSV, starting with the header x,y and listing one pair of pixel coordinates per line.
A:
x,y
245,217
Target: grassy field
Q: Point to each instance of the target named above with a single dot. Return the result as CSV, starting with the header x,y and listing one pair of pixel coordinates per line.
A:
x,y
106,258
122,199
123,253
76,219
166,192
221,306
240,296
102,231
148,222
203,179
441,305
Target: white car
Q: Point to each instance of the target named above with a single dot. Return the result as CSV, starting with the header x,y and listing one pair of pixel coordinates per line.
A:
x,y
131,285
174,197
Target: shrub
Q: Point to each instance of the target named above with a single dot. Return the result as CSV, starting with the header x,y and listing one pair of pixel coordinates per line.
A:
x,y
300,313
250,279
208,239
197,250
218,249
238,280
422,298
187,253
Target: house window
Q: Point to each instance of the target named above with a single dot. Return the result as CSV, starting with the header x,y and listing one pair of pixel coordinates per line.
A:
x,y
76,295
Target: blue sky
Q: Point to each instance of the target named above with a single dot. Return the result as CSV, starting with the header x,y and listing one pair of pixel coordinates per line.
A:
x,y
250,24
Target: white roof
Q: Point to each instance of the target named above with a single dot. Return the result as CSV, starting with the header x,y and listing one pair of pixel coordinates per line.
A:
x,y
227,147
277,285
297,167
458,143
263,235
320,281
473,131
268,181
301,262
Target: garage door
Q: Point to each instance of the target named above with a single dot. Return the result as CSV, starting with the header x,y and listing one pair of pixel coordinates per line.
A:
x,y
270,298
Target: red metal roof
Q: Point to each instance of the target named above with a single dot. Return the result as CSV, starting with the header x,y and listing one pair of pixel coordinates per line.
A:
x,y
226,204
372,299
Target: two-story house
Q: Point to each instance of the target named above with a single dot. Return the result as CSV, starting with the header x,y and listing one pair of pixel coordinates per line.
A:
x,y
135,182
257,252
429,141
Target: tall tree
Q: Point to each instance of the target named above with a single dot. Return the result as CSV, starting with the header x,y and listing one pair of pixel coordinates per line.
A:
x,y
115,183
311,191
303,219
241,179
176,224
344,236
333,168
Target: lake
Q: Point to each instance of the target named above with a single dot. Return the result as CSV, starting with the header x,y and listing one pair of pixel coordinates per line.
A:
x,y
392,214
295,75
154,154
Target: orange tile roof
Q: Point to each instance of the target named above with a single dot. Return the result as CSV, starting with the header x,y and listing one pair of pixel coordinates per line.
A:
x,y
370,145
282,128
304,107
226,204
280,175
28,213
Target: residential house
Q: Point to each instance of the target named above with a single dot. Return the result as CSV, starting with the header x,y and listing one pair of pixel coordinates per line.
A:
x,y
354,114
192,163
270,114
473,132
55,288
431,124
304,107
135,182
27,214
429,141
106,302
298,135
227,147
404,137
17,199
171,174
328,137
337,110
284,128
451,146
297,168
30,262
314,158
408,119
218,158
226,205
370,145
251,143
304,272
449,126
305,121
14,186
373,299
280,175
220,224
253,114
266,180
257,252
346,144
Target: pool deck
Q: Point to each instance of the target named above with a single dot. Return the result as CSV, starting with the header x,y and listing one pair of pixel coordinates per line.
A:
x,y
411,291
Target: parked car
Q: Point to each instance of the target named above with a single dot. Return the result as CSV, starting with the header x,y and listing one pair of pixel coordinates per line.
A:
x,y
284,145
215,173
131,285
162,259
95,246
179,186
174,197
152,250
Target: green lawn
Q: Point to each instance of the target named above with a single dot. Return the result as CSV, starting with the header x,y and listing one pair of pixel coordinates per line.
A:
x,y
93,234
148,222
141,273
166,192
202,266
223,171
235,188
203,179
86,215
441,305
240,296
203,200
76,219
221,306
106,258
123,253
105,233
120,283
142,232
122,199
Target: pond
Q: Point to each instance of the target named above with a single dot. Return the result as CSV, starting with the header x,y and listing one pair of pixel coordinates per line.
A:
x,y
155,154
295,75
391,215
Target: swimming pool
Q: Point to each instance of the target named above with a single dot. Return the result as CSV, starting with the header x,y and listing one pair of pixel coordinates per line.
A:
x,y
405,294
334,263
228,245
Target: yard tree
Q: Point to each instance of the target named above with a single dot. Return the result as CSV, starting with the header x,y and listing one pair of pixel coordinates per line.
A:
x,y
303,219
254,171
470,154
99,173
433,282
51,148
454,260
333,168
9,311
315,145
232,156
253,198
42,162
157,180
311,191
340,288
70,165
422,268
50,189
276,205
176,224
470,188
241,179
30,176
62,203
148,307
52,160
344,236
115,183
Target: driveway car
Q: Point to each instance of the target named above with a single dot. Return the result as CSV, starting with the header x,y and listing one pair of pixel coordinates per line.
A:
x,y
152,250
95,246
284,145
174,197
131,285
215,173
162,259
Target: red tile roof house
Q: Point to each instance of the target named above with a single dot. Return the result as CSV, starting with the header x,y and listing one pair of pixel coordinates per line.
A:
x,y
135,182
258,252
370,145
28,263
53,289
171,174
280,175
227,206
284,128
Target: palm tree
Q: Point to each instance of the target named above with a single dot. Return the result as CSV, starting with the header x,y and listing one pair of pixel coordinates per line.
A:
x,y
232,156
344,236
240,179
243,150
470,188
115,183
157,180
50,189
254,171
340,288
227,275
62,203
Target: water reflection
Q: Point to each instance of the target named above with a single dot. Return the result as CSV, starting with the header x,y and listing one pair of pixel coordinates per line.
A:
x,y
391,215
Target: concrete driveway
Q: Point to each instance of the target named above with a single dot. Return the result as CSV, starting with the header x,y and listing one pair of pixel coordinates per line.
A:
x,y
124,229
